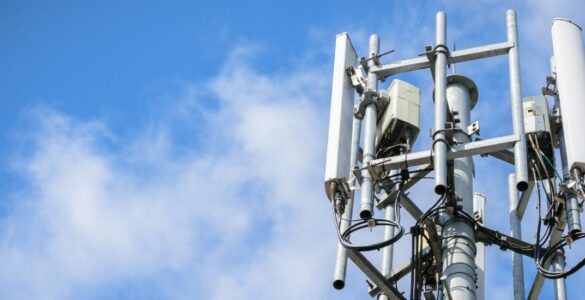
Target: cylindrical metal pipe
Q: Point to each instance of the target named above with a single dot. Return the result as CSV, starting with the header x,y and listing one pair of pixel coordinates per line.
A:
x,y
559,266
341,258
367,188
439,139
459,259
520,157
458,235
388,251
515,232
573,214
479,208
571,203
569,52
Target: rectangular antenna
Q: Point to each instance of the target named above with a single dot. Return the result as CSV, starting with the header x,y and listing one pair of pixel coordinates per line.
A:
x,y
340,155
341,115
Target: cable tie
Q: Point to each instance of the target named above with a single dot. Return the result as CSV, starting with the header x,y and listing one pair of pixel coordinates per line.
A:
x,y
569,240
371,224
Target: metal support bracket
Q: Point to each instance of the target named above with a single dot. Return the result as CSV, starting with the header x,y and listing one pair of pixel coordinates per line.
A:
x,y
556,125
369,96
337,185
503,155
358,174
506,242
399,272
378,166
414,178
473,129
374,275
457,56
357,79
450,129
434,250
430,54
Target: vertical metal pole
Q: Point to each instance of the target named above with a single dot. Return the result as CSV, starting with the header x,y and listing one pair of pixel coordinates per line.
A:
x,y
555,237
367,199
479,208
571,204
573,224
573,214
439,140
341,258
515,232
538,282
559,265
458,235
388,251
520,157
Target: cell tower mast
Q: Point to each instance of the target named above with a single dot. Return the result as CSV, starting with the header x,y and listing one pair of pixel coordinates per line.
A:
x,y
448,239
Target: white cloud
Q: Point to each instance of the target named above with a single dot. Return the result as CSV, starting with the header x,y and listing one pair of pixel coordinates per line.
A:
x,y
241,212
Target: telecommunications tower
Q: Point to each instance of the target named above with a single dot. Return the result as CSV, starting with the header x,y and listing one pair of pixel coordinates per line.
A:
x,y
371,165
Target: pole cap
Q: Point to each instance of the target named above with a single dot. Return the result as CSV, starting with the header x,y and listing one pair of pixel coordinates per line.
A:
x,y
466,82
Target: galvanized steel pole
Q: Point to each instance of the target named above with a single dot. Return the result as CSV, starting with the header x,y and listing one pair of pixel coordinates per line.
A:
x,y
520,157
571,204
367,197
388,251
341,258
479,209
458,235
559,266
439,139
515,232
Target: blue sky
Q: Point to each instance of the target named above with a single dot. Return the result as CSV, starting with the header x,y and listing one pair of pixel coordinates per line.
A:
x,y
175,150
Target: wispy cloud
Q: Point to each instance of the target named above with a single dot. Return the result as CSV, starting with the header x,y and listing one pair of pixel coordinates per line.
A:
x,y
238,212
220,196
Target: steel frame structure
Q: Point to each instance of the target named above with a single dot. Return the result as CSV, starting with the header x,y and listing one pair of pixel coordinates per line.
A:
x,y
458,247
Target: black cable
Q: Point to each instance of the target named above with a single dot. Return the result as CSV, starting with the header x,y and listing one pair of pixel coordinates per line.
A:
x,y
488,233
548,254
538,209
385,150
431,210
409,172
344,236
553,250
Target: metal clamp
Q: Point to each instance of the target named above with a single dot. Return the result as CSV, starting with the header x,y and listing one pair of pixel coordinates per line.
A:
x,y
556,124
337,186
357,79
473,129
370,96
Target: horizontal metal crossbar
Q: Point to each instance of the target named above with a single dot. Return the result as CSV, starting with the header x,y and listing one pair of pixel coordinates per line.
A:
x,y
504,155
458,56
379,166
